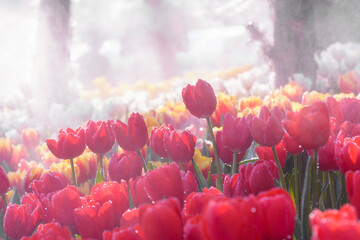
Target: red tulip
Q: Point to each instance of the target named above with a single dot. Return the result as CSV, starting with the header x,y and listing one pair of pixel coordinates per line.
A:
x,y
231,219
310,126
70,144
265,153
30,138
200,99
137,191
116,193
266,129
346,109
291,146
93,218
162,220
353,189
180,146
327,159
226,155
52,230
157,140
194,229
188,182
130,218
100,136
347,153
252,178
123,233
4,181
335,224
132,136
278,209
236,134
127,165
168,177
19,221
63,203
50,182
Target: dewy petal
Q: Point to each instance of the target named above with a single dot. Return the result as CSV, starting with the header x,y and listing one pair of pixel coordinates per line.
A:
x,y
53,147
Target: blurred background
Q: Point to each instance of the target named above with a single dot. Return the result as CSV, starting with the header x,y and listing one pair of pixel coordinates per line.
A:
x,y
65,61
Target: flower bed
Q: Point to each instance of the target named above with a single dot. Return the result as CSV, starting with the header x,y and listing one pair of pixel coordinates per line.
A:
x,y
278,167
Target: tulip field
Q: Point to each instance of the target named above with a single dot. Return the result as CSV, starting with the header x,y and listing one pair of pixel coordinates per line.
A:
x,y
209,167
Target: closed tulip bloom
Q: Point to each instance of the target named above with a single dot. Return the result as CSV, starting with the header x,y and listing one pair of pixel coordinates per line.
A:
x,y
100,136
137,191
335,224
180,146
70,143
236,134
197,201
123,233
310,126
157,140
30,138
266,129
127,165
132,136
4,181
48,183
200,99
291,146
52,230
226,155
162,220
349,82
353,189
278,221
63,203
19,221
93,218
265,153
348,154
6,149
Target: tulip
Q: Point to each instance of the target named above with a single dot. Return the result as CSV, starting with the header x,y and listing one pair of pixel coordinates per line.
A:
x,y
266,129
349,82
87,165
162,220
132,136
137,191
335,224
347,153
63,203
353,189
52,230
4,181
350,109
194,229
123,233
278,221
19,221
200,99
265,153
252,178
231,219
180,146
50,182
157,140
127,165
226,155
188,182
32,173
236,134
310,126
69,145
6,149
197,201
93,218
116,193
291,146
130,218
30,138
100,136
225,104
327,158
19,152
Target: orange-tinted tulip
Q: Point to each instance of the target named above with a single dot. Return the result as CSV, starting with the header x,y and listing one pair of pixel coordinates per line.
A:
x,y
30,138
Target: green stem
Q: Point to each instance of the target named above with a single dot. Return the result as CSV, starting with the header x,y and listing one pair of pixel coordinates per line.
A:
x,y
281,175
296,170
250,160
4,200
344,198
73,172
217,161
332,190
315,196
304,199
234,167
101,166
143,161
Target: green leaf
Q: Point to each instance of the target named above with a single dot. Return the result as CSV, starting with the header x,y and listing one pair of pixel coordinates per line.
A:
x,y
77,236
202,181
99,177
2,231
297,231
276,182
15,199
131,201
205,150
150,166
